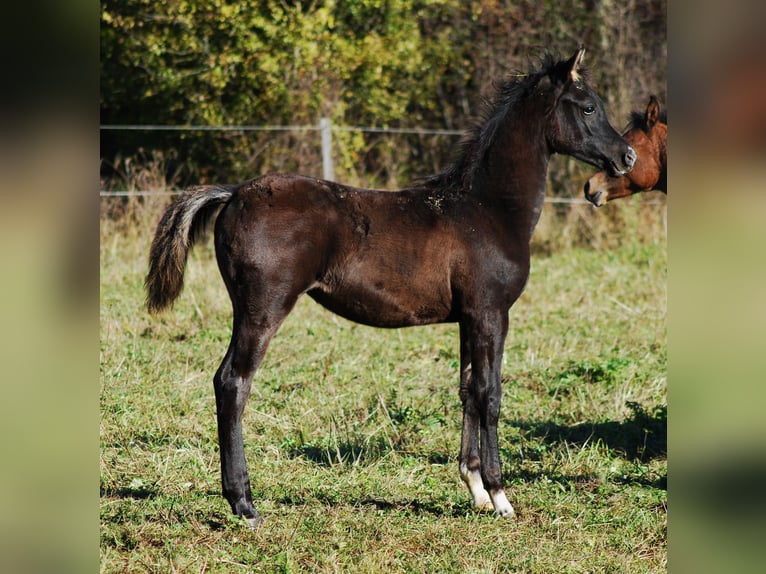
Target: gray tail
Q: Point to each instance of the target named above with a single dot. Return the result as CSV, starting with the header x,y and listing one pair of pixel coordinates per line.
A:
x,y
185,221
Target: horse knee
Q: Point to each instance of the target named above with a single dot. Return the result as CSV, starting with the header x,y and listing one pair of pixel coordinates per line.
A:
x,y
231,390
492,409
465,384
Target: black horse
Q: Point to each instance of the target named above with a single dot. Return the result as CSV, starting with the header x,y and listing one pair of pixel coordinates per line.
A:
x,y
454,247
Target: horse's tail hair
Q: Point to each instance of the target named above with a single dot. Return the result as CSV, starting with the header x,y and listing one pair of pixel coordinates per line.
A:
x,y
184,222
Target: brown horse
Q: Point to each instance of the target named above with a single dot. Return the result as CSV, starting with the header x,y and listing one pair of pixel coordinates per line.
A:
x,y
648,134
454,247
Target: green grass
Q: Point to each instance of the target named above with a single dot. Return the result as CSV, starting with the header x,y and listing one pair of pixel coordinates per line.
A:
x,y
352,433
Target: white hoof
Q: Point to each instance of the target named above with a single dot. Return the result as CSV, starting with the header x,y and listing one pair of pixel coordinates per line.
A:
x,y
502,507
483,501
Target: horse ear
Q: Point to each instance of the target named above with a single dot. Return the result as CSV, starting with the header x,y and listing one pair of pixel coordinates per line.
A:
x,y
574,64
652,111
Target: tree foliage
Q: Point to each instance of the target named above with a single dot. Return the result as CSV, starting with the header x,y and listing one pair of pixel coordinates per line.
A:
x,y
407,63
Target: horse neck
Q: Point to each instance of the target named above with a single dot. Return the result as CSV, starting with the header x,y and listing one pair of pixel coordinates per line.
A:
x,y
512,176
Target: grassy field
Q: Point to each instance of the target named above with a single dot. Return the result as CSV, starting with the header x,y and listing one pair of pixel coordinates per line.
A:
x,y
352,433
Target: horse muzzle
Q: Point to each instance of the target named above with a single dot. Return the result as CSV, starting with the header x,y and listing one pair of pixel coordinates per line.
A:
x,y
628,160
594,194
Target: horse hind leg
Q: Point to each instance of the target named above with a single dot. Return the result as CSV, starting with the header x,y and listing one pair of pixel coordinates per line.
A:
x,y
232,382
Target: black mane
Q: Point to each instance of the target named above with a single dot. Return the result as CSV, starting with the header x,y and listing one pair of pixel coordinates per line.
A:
x,y
459,174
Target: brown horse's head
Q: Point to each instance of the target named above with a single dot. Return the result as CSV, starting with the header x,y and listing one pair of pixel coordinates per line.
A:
x,y
648,135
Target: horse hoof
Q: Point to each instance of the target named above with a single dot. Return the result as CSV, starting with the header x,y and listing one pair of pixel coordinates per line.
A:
x,y
482,501
253,522
486,505
505,513
503,508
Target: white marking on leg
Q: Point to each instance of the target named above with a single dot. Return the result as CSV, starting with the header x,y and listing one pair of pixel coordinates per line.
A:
x,y
501,504
472,479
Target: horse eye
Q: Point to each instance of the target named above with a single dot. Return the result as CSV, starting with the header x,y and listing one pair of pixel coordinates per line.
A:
x,y
588,110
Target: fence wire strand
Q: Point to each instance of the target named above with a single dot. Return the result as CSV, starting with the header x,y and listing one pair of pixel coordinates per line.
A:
x,y
295,128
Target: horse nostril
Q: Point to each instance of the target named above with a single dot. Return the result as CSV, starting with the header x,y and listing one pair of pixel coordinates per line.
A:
x,y
630,157
587,189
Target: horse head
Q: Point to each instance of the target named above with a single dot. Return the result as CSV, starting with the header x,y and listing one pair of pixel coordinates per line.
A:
x,y
648,135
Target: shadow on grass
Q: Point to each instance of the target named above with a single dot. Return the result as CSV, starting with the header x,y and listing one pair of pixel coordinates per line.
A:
x,y
360,450
590,482
641,437
140,493
420,507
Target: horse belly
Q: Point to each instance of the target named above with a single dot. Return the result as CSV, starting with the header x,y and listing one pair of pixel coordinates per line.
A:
x,y
386,302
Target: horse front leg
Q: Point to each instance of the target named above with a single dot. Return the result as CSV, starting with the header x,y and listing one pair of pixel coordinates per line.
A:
x,y
470,463
485,340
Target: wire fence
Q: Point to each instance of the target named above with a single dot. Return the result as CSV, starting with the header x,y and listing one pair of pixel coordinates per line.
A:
x,y
288,128
325,127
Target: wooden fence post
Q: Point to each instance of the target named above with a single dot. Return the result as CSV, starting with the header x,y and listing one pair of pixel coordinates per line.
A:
x,y
328,170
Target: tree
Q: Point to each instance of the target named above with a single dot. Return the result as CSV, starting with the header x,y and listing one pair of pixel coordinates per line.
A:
x,y
411,63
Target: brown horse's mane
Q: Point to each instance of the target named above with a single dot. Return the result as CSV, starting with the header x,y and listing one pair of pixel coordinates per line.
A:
x,y
470,151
